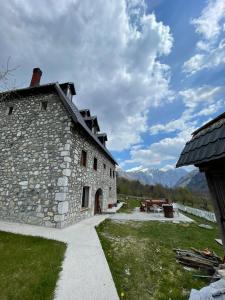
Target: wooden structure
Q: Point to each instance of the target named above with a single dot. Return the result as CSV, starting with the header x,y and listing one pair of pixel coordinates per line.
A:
x,y
206,150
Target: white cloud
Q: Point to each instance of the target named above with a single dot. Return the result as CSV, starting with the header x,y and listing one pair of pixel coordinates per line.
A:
x,y
206,94
198,102
209,26
211,59
159,153
111,51
194,64
211,109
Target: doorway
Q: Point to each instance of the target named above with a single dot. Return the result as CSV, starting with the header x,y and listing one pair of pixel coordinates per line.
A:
x,y
98,202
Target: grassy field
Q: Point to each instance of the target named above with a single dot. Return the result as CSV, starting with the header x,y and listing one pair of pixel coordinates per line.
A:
x,y
29,267
142,261
129,205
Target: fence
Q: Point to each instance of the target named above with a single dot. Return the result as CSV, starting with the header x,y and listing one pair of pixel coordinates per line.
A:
x,y
198,212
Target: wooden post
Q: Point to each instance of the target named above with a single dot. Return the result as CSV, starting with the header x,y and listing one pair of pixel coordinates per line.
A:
x,y
216,199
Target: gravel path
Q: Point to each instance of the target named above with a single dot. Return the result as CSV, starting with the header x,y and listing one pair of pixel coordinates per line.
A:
x,y
136,215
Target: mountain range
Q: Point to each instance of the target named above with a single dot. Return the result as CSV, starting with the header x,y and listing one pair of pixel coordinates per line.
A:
x,y
153,176
193,180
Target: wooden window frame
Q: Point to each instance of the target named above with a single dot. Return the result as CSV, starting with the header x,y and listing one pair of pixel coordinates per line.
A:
x,y
44,105
10,110
85,197
95,164
83,160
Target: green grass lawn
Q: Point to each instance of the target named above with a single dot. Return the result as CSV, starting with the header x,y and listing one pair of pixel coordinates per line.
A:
x,y
29,267
142,261
129,205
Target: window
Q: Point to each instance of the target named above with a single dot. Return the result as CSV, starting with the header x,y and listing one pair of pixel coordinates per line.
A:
x,y
85,197
113,174
95,164
110,172
10,110
68,93
44,105
104,166
84,158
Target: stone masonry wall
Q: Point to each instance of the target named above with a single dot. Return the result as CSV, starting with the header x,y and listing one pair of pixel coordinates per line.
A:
x,y
80,176
30,164
41,179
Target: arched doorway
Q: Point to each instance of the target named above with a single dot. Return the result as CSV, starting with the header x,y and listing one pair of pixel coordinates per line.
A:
x,y
98,202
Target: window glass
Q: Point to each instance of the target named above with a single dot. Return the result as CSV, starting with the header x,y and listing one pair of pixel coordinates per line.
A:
x,y
95,164
84,158
85,197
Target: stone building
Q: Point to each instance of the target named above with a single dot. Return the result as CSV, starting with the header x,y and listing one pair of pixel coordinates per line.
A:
x,y
55,168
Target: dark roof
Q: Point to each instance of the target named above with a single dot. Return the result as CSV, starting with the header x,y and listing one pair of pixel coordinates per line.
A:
x,y
85,110
34,90
207,144
102,135
69,105
94,121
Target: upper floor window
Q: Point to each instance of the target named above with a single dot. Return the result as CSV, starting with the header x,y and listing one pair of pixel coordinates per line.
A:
x,y
9,110
44,105
110,172
113,174
85,197
95,164
104,166
83,158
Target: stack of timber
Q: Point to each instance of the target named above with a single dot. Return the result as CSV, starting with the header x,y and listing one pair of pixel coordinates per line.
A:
x,y
205,259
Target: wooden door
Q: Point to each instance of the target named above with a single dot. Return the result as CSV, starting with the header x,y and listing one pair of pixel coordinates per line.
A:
x,y
96,211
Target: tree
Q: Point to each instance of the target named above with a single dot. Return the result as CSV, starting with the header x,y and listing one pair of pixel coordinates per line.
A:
x,y
7,81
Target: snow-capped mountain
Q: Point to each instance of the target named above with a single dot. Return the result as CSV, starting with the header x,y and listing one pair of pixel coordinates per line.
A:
x,y
153,176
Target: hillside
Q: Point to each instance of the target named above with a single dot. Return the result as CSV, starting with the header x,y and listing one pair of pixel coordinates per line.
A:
x,y
194,181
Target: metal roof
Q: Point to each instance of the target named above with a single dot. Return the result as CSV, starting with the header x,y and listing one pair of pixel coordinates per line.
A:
x,y
207,144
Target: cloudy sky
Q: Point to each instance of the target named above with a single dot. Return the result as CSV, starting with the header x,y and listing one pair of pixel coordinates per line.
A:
x,y
152,71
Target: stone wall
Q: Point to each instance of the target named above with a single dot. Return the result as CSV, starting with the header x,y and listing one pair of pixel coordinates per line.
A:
x,y
41,178
80,176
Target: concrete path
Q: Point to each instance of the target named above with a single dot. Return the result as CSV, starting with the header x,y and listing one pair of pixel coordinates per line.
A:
x,y
136,215
85,274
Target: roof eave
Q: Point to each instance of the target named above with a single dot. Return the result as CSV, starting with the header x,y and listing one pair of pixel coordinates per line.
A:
x,y
75,119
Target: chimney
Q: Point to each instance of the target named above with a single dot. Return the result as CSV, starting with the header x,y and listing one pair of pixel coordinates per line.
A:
x,y
36,77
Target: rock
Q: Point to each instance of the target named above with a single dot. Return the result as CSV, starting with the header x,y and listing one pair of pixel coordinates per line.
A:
x,y
62,181
63,207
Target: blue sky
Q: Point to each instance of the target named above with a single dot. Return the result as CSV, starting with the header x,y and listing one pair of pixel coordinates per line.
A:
x,y
178,15
152,71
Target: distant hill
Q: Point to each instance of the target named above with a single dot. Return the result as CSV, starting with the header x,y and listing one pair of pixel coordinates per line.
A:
x,y
194,181
180,194
150,176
